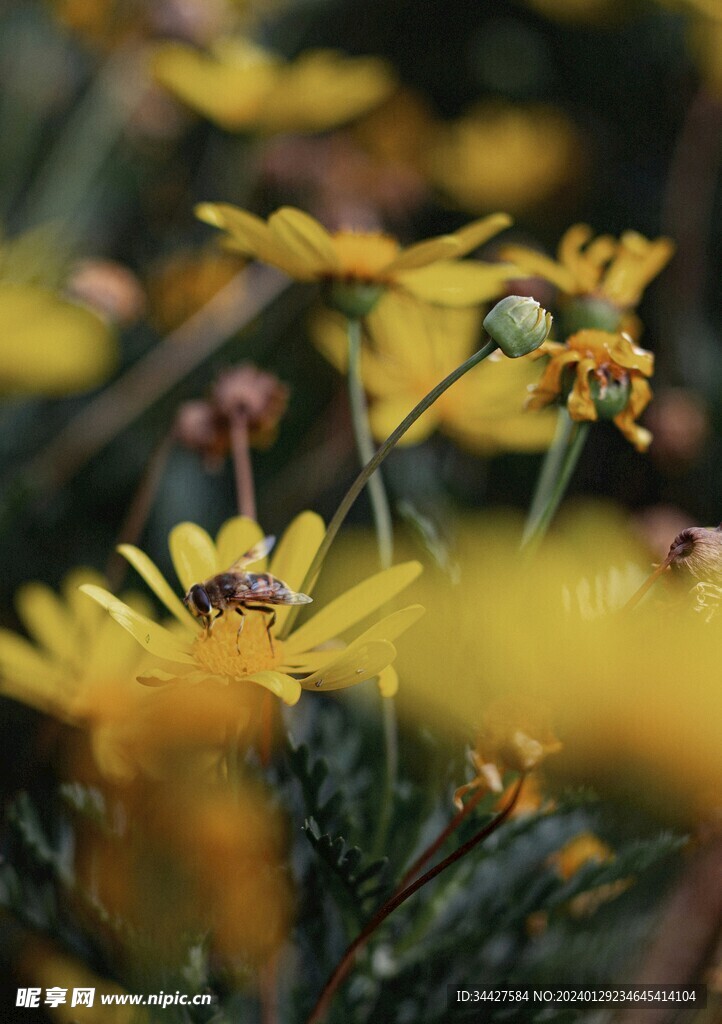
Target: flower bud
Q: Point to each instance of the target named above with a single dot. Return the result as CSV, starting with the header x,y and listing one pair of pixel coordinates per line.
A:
x,y
518,325
588,312
354,299
698,550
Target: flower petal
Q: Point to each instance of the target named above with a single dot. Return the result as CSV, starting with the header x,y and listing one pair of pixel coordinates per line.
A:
x,y
480,231
157,583
251,236
308,241
151,636
293,556
580,402
193,554
357,663
47,620
283,686
21,663
536,264
85,614
351,607
453,283
235,537
424,253
386,414
392,626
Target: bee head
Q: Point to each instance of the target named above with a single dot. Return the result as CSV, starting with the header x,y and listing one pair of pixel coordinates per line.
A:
x,y
197,601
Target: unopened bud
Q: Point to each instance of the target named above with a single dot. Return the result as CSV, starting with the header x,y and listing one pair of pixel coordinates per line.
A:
x,y
518,324
699,551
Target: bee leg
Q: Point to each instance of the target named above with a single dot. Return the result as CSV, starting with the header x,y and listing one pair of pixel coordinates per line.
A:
x,y
270,623
240,611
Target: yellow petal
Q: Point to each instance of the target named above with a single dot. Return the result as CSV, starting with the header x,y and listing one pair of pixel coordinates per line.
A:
x,y
308,242
424,253
536,264
47,620
50,346
235,537
357,663
453,283
580,402
193,554
152,637
296,550
480,231
251,236
283,686
388,683
392,626
351,607
157,583
85,614
22,663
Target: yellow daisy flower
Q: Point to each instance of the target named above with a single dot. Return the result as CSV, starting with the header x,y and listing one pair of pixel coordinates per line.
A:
x,y
310,658
242,87
610,382
358,267
607,274
504,155
411,350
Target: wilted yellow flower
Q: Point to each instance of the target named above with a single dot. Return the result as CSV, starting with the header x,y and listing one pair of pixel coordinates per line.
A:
x,y
607,274
219,856
357,268
504,156
610,382
411,350
243,87
310,658
82,670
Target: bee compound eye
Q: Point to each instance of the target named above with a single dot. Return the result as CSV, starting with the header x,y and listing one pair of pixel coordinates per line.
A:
x,y
199,599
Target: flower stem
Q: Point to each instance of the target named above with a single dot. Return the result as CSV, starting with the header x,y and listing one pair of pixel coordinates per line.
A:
x,y
365,444
241,449
372,465
399,897
554,479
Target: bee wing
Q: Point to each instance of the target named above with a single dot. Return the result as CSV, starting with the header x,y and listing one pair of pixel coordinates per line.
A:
x,y
254,554
290,598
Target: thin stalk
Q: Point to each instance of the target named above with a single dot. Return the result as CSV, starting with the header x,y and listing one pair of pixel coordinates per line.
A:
x,y
535,530
550,467
399,897
134,523
242,468
365,445
373,464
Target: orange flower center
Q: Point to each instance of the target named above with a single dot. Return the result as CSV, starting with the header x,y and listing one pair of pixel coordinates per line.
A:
x,y
364,255
226,653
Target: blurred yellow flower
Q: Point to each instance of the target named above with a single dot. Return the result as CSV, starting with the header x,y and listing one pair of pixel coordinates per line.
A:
x,y
580,850
189,860
180,285
411,349
612,273
504,156
610,382
82,670
359,267
242,87
310,658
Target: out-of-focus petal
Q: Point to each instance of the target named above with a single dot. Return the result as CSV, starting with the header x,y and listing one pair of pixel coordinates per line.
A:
x,y
47,620
157,583
453,283
235,538
306,239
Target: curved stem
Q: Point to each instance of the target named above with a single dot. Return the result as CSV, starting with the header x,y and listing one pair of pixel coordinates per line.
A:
x,y
536,528
399,897
365,445
551,465
372,465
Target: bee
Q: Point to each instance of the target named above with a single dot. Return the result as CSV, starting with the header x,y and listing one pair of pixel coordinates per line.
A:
x,y
242,592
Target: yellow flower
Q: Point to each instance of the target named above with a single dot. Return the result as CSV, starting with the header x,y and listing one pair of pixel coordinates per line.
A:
x,y
610,374
357,267
411,350
242,87
583,849
310,658
504,155
611,274
186,281
82,670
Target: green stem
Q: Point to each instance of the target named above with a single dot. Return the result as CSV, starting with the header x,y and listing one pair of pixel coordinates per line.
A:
x,y
365,444
550,468
556,486
372,465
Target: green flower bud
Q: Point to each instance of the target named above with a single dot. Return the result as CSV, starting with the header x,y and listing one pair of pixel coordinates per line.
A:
x,y
588,313
518,325
352,298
